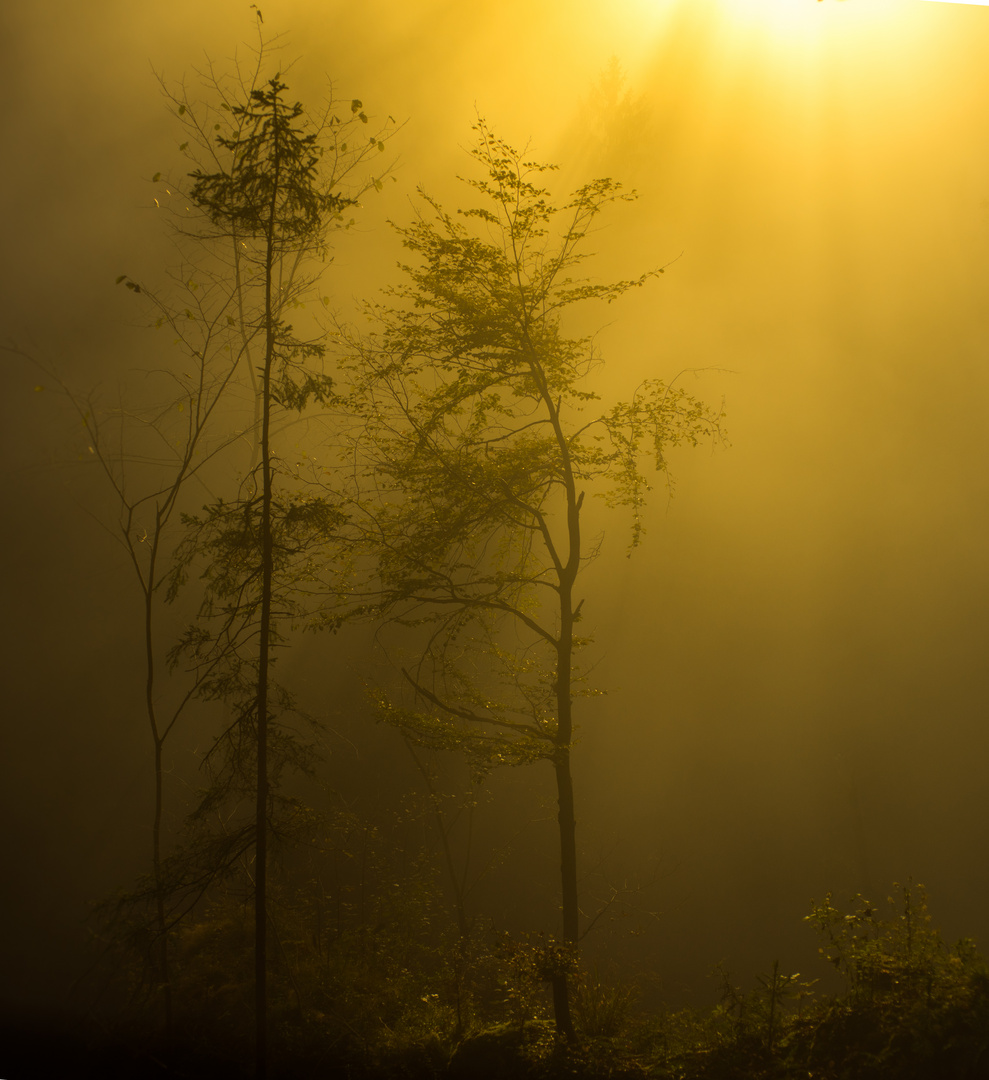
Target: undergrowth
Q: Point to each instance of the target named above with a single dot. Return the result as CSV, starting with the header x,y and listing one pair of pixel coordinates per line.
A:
x,y
379,990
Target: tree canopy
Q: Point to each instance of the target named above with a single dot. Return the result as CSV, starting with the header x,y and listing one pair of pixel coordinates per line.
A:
x,y
480,434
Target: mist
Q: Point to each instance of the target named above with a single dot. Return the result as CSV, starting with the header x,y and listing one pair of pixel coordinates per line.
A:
x,y
793,659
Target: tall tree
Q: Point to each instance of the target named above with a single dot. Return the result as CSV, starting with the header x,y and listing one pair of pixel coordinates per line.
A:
x,y
480,437
151,456
276,199
270,184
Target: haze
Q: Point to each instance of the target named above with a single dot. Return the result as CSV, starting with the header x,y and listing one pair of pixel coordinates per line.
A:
x,y
795,659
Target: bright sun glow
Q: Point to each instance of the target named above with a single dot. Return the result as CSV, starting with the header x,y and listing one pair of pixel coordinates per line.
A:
x,y
794,29
802,22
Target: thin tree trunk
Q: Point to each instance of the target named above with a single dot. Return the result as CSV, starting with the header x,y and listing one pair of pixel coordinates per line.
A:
x,y
261,804
161,971
566,576
163,975
564,737
264,649
568,882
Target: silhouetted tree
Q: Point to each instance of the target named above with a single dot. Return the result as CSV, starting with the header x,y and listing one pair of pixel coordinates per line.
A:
x,y
267,189
150,456
479,438
275,197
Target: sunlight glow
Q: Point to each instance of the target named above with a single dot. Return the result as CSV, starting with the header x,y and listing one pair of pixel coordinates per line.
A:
x,y
792,23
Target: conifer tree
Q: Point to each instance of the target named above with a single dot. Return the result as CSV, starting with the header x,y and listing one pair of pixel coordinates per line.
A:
x,y
276,199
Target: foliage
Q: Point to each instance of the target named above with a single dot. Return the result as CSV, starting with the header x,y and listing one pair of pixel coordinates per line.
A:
x,y
361,982
474,380
913,1008
272,194
913,1002
476,432
254,197
602,1009
275,206
266,188
477,438
224,543
878,954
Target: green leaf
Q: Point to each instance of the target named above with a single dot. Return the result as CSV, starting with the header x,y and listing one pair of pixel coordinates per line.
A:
x,y
156,178
181,110
182,146
356,104
120,279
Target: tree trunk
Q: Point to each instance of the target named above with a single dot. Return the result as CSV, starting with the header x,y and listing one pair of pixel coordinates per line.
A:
x,y
161,973
564,736
264,650
568,880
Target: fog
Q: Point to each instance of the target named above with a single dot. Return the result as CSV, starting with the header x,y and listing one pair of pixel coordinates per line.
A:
x,y
795,659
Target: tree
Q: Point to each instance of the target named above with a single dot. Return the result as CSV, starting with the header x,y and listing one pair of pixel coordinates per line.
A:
x,y
153,447
479,439
149,456
275,197
267,188
269,195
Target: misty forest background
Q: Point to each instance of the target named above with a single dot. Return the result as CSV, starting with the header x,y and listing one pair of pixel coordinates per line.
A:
x,y
794,659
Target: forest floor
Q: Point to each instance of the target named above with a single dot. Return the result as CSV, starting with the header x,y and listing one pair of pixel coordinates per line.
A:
x,y
911,1007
